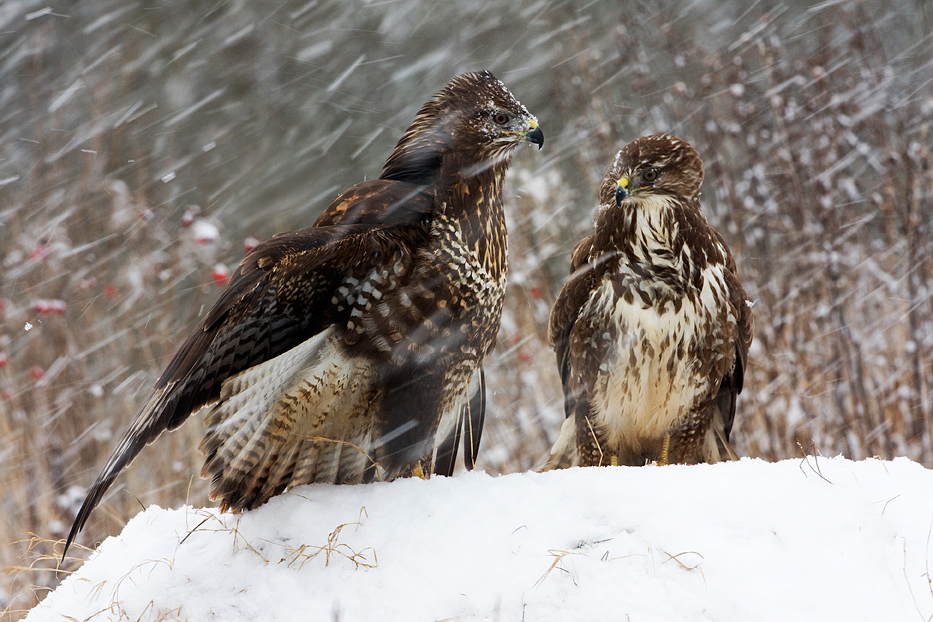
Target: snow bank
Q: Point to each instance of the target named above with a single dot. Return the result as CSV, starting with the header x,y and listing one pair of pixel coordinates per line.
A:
x,y
825,539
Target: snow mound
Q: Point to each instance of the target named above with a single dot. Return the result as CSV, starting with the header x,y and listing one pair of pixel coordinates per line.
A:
x,y
826,539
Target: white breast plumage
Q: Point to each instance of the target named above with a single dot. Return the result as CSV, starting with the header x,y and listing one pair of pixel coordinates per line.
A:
x,y
651,379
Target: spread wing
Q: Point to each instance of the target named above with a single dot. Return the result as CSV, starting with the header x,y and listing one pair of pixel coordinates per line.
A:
x,y
285,292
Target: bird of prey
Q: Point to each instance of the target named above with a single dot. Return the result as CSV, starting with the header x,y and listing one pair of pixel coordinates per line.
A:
x,y
351,351
652,328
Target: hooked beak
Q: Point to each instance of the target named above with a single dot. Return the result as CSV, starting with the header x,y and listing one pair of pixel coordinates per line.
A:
x,y
535,135
621,190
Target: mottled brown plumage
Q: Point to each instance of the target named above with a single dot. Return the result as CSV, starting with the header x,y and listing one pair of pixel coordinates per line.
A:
x,y
652,329
341,353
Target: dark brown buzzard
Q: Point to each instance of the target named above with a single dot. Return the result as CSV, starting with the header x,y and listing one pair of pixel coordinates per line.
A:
x,y
652,328
352,350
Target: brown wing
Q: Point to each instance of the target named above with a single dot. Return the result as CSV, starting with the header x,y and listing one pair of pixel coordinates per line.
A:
x,y
379,202
282,294
566,311
733,381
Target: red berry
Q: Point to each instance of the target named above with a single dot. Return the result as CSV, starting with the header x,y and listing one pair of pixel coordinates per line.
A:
x,y
221,274
40,251
204,232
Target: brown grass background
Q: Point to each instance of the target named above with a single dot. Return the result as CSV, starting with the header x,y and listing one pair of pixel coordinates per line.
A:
x,y
121,121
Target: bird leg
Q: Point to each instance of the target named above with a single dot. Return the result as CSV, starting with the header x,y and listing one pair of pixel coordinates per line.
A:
x,y
418,471
665,449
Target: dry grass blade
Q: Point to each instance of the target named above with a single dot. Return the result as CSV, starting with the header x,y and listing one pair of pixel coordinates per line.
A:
x,y
815,466
677,557
558,555
239,540
305,553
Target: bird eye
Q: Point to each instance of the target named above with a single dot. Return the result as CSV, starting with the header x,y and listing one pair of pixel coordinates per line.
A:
x,y
651,174
500,118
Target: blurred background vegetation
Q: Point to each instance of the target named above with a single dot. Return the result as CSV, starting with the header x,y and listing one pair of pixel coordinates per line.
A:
x,y
142,145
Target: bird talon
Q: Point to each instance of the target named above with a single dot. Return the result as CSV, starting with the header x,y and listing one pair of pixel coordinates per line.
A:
x,y
418,471
665,449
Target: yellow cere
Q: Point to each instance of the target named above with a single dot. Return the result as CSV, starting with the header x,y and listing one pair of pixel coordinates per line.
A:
x,y
623,183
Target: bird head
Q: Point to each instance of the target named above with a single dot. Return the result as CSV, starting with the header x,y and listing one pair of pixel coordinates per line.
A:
x,y
653,166
479,110
473,118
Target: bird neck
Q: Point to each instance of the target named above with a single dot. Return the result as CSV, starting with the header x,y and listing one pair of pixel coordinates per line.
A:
x,y
666,237
472,198
468,184
643,236
643,228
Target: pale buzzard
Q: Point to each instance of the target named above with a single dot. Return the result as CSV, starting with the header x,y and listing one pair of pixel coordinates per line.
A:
x,y
652,328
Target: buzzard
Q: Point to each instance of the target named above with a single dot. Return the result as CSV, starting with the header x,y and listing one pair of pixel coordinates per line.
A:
x,y
652,328
350,351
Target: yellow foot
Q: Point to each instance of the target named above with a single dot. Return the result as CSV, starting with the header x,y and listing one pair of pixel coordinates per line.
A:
x,y
418,471
614,460
662,459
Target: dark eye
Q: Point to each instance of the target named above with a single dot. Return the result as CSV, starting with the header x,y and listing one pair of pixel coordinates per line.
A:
x,y
651,174
500,118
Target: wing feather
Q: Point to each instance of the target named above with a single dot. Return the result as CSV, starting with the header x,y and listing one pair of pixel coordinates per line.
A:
x,y
734,379
564,315
475,418
279,296
449,432
465,420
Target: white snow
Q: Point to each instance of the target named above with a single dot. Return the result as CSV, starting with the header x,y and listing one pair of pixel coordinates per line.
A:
x,y
817,539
